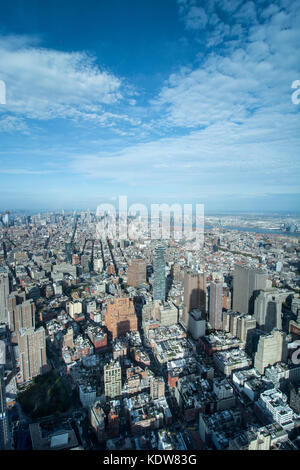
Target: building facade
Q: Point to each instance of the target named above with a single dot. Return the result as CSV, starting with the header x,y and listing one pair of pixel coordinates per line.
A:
x,y
32,347
159,267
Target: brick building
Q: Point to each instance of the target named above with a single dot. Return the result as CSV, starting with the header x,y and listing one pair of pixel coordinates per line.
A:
x,y
120,317
136,274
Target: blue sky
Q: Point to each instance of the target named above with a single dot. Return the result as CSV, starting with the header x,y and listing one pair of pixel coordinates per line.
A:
x,y
163,101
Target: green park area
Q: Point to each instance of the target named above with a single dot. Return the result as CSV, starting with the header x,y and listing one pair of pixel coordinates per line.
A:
x,y
45,396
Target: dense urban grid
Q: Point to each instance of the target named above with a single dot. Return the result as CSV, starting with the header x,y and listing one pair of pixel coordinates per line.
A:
x,y
148,344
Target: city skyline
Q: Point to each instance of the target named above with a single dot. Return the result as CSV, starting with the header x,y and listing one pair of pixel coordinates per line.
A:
x,y
113,343
174,101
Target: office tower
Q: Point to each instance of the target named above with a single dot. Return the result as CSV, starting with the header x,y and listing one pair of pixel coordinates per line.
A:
x,y
21,315
196,324
159,268
270,350
120,316
246,285
215,305
5,437
268,308
32,347
245,324
246,331
112,379
4,293
194,294
136,274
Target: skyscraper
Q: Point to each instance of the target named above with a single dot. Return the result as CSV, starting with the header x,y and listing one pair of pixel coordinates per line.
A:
x,y
5,438
68,252
268,308
215,305
112,379
194,294
21,315
270,350
246,285
32,346
4,293
159,268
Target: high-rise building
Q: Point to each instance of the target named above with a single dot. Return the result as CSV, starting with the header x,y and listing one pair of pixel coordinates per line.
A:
x,y
112,379
268,309
21,315
197,324
270,350
159,268
32,348
194,294
12,303
246,285
5,436
215,305
68,252
136,274
120,316
4,293
245,325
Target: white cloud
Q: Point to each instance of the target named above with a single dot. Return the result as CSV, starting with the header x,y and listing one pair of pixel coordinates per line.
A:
x,y
196,18
243,75
242,131
45,84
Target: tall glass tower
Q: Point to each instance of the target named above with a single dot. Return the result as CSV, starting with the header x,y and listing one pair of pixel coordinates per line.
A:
x,y
159,285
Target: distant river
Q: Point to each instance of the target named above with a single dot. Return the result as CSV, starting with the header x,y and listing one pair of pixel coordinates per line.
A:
x,y
257,230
